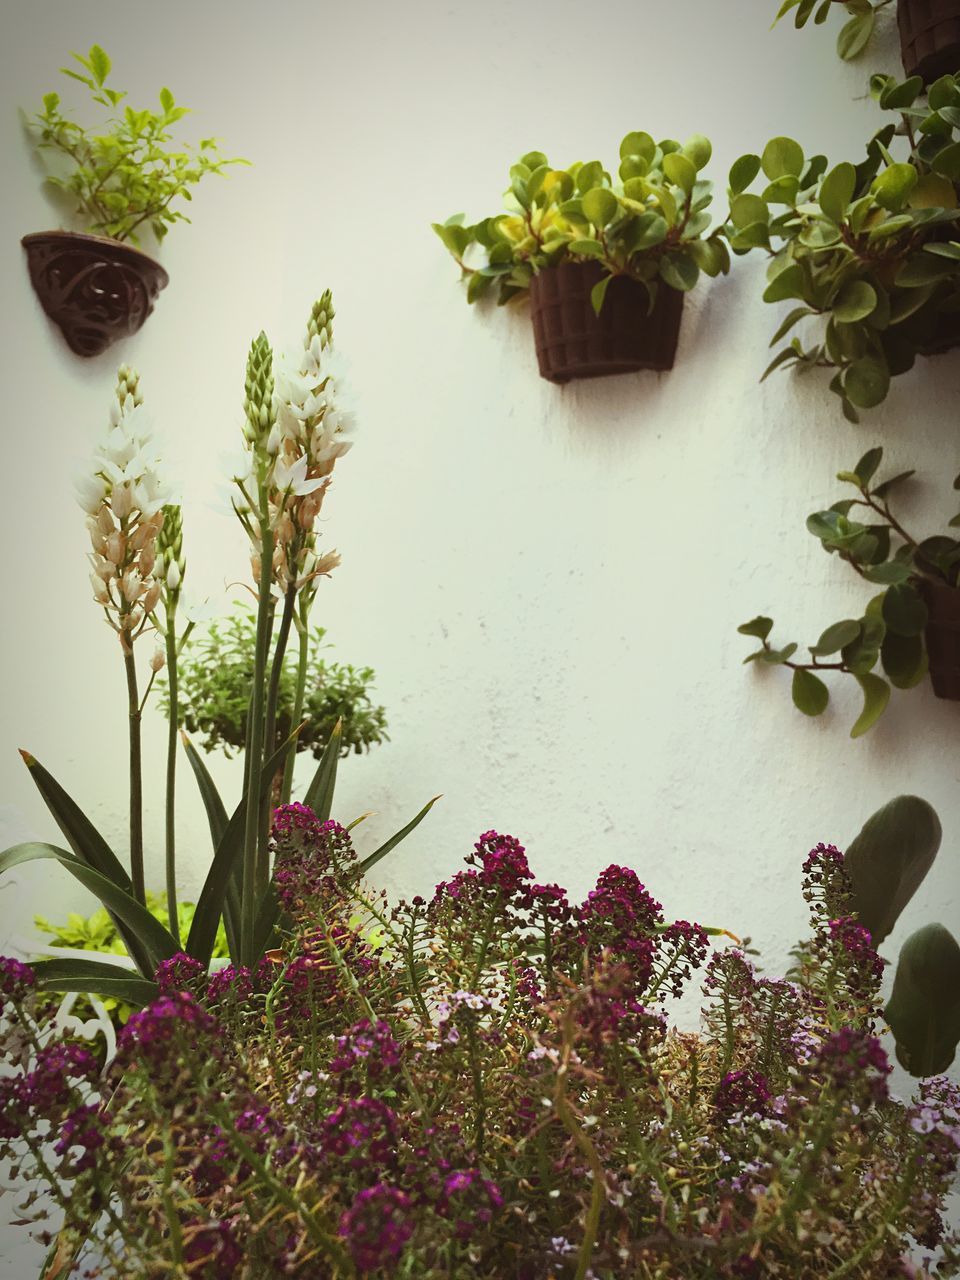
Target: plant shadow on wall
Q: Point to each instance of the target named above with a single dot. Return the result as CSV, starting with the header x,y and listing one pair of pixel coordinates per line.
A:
x,y
297,426
486,1084
910,627
605,264
870,251
119,177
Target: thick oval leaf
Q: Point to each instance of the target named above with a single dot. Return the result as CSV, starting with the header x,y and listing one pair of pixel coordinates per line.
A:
x,y
698,150
904,660
855,35
836,191
855,301
600,206
837,637
892,187
866,382
680,170
904,610
876,695
888,860
679,271
924,1007
810,694
759,627
782,156
742,173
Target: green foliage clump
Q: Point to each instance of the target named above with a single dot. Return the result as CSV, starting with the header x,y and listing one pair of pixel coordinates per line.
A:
x,y
652,225
871,249
891,630
216,675
127,172
856,32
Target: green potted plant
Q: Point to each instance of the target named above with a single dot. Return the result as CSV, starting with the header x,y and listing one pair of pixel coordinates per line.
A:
x,y
605,263
871,251
910,627
120,176
929,30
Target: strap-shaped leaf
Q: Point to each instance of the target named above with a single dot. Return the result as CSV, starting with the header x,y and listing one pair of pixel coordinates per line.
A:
x,y
268,914
156,942
319,795
100,977
888,860
392,843
924,1007
215,809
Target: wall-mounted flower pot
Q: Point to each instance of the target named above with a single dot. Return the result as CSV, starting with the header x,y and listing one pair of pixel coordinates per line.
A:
x,y
942,636
95,289
574,342
929,37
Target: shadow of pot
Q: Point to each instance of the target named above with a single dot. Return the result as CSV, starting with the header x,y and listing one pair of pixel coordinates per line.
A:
x,y
96,290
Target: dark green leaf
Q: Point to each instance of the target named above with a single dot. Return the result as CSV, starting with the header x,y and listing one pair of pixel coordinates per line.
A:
x,y
372,859
888,860
876,695
836,637
760,627
319,795
743,172
855,35
866,382
904,660
810,694
836,191
903,610
924,1007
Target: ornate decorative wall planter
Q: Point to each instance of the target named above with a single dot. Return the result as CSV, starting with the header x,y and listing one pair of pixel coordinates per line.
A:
x,y
94,289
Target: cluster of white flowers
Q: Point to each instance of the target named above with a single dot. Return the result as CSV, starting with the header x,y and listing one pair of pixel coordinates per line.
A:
x,y
124,495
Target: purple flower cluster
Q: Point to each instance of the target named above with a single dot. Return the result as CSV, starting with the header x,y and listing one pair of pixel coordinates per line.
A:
x,y
309,856
826,885
180,973
367,1050
469,1200
377,1226
863,968
854,1062
151,1036
60,1066
17,980
689,945
746,1092
361,1131
620,916
214,1247
83,1131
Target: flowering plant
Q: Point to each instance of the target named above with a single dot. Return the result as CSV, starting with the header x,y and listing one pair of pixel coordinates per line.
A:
x,y
871,250
891,631
125,173
485,1083
651,226
297,426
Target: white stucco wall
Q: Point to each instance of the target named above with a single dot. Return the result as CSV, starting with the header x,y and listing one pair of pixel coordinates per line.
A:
x,y
547,581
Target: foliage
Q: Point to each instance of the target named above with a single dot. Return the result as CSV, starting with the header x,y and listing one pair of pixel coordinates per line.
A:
x,y
871,249
216,674
891,631
486,1084
127,171
296,428
98,933
652,225
854,35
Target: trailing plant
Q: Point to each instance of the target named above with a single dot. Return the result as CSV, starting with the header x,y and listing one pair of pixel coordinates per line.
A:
x,y
296,428
652,225
883,552
856,32
870,250
486,1083
125,172
215,679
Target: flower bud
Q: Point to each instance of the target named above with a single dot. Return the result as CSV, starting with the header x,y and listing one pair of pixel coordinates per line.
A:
x,y
100,592
131,586
115,547
105,520
152,596
158,659
148,557
173,576
121,500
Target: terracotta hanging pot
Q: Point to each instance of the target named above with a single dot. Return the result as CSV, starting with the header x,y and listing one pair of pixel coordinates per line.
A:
x,y
942,636
574,342
95,289
929,37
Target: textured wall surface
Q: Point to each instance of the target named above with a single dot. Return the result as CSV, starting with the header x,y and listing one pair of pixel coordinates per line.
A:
x,y
547,581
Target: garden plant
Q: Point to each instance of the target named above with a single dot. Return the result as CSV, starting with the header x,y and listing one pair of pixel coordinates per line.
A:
x,y
486,1083
908,627
870,251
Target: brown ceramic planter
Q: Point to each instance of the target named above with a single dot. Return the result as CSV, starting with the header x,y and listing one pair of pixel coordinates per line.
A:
x,y
942,636
929,37
95,289
574,342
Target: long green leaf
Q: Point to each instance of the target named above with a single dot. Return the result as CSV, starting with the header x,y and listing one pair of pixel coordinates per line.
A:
x,y
157,942
392,843
268,913
213,805
210,904
100,977
319,795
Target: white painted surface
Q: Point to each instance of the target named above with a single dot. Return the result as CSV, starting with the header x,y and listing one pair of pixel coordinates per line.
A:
x,y
546,580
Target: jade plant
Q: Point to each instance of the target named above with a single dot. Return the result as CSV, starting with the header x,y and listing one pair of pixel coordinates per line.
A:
x,y
215,677
870,251
886,864
883,552
651,224
125,171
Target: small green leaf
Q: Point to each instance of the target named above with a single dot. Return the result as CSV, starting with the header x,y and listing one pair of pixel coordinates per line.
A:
x,y
680,170
99,64
876,695
742,173
746,209
760,627
600,205
587,248
836,637
698,150
854,36
679,271
904,660
788,284
638,144
776,657
855,301
904,610
868,464
810,694
782,156
892,187
866,382
599,292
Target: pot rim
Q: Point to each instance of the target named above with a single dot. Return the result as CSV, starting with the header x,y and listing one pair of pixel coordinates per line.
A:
x,y
94,241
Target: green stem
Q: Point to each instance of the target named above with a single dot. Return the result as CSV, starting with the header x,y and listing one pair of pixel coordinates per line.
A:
x,y
173,729
270,743
254,753
136,779
299,696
